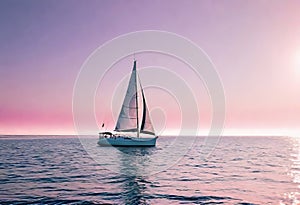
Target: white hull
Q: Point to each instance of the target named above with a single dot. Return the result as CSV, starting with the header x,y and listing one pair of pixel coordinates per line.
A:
x,y
128,142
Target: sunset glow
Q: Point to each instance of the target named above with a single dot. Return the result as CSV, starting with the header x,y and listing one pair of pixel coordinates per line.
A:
x,y
252,45
150,102
297,62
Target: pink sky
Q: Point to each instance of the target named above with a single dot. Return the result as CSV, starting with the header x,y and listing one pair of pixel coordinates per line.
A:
x,y
255,46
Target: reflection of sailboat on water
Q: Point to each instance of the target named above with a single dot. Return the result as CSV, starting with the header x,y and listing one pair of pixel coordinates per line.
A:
x,y
128,131
134,164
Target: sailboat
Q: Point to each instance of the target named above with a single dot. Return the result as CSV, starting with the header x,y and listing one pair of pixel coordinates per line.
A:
x,y
129,131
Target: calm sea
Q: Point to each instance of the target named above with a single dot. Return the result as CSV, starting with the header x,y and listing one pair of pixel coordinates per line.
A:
x,y
64,170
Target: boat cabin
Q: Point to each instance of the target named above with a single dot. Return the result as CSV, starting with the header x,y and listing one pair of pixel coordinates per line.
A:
x,y
105,134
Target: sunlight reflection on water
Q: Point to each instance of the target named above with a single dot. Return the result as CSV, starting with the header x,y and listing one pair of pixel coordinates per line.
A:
x,y
295,171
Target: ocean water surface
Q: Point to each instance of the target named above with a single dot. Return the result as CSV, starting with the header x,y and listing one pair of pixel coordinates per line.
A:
x,y
62,170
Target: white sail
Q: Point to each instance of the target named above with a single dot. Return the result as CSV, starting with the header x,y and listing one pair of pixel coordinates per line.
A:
x,y
128,117
146,124
128,120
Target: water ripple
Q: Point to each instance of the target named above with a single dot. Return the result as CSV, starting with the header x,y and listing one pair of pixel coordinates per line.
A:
x,y
243,171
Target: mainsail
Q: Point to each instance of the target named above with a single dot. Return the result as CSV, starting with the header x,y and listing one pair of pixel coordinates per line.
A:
x,y
128,117
128,120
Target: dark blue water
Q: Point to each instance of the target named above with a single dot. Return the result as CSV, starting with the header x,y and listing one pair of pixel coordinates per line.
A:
x,y
59,170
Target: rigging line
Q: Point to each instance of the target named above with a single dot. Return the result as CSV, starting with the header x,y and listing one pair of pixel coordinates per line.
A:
x,y
136,99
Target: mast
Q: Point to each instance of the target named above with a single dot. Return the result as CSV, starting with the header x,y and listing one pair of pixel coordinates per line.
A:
x,y
136,101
